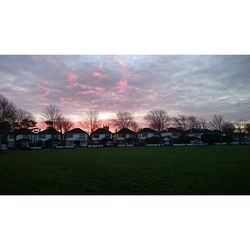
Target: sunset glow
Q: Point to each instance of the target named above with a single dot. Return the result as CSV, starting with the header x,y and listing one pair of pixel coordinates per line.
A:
x,y
193,85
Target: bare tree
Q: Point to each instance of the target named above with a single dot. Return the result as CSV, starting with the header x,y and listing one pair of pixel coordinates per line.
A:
x,y
247,128
67,125
63,124
181,122
238,126
123,120
194,125
7,110
24,119
158,120
134,126
217,122
193,122
203,124
7,117
91,121
51,114
23,114
228,128
242,128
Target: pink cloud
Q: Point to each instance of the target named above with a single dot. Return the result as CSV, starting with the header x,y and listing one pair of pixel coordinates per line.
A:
x,y
90,87
64,100
85,86
87,92
100,74
44,89
72,79
122,85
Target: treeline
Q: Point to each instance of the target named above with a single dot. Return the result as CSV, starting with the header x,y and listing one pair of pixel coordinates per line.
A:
x,y
12,117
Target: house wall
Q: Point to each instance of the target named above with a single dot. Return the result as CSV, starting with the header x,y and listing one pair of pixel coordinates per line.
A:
x,y
101,136
198,135
32,138
73,137
145,135
173,135
82,138
120,137
45,137
11,138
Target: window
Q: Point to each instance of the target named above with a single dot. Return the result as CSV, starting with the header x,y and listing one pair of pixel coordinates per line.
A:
x,y
69,136
42,136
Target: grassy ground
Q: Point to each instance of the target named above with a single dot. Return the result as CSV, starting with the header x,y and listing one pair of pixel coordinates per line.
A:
x,y
167,170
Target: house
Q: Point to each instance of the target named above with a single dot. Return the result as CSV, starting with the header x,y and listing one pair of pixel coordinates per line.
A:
x,y
101,136
76,138
171,135
49,137
21,138
125,137
194,136
146,133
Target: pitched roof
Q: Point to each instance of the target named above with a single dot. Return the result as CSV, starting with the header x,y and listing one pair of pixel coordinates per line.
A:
x,y
217,131
101,131
147,130
172,130
206,130
76,131
194,130
49,130
125,131
22,131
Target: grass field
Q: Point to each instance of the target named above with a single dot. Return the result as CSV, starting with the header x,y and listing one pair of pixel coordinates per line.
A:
x,y
166,170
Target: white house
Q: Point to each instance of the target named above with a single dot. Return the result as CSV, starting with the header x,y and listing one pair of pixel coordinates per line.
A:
x,y
195,135
76,137
101,136
49,137
171,134
146,133
125,136
19,138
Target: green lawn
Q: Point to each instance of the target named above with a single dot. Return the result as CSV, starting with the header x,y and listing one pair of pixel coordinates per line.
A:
x,y
166,170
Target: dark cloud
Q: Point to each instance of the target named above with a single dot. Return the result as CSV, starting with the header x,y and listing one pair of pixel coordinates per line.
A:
x,y
200,85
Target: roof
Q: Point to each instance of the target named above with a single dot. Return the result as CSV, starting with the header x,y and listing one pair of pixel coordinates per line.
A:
x,y
22,131
147,130
217,131
76,131
194,130
125,131
49,130
172,130
206,130
101,131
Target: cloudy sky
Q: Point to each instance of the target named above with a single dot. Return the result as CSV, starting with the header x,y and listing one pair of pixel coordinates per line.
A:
x,y
197,85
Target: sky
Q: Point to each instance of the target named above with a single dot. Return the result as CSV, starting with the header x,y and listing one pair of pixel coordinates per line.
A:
x,y
190,85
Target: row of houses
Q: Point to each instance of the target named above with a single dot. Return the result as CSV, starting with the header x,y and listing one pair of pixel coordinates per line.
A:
x,y
50,137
